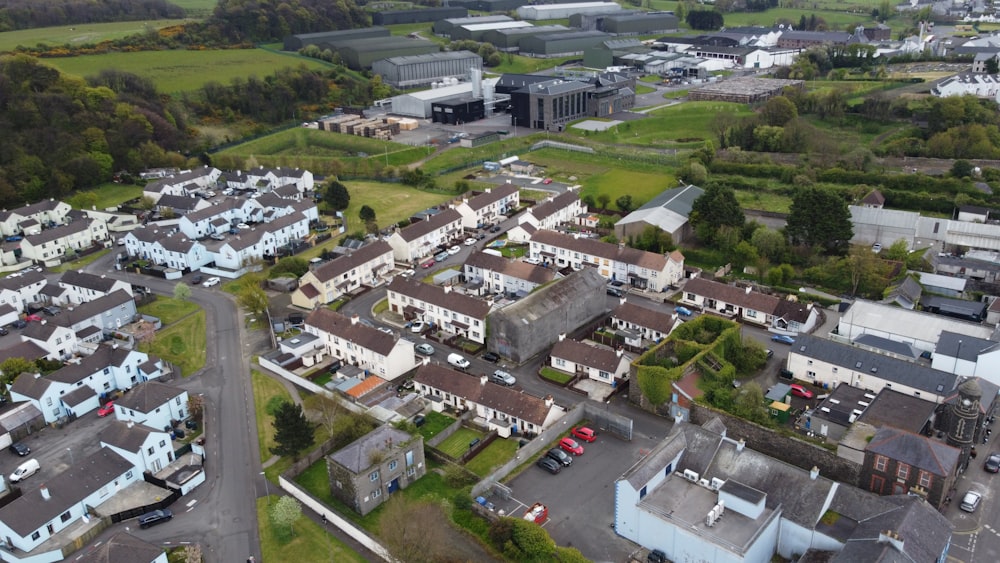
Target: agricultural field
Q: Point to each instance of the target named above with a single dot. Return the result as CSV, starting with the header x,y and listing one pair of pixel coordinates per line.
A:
x,y
685,125
79,34
196,8
392,202
184,71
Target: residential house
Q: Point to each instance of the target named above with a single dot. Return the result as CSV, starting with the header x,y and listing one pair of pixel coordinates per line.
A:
x,y
365,472
221,217
51,245
422,238
638,323
360,345
58,341
179,205
167,248
521,232
29,219
82,286
874,199
154,404
504,409
985,86
491,206
145,448
701,496
668,211
747,305
905,294
90,321
918,329
39,514
592,362
496,274
451,312
828,364
121,548
848,406
901,463
615,262
554,211
269,179
17,290
344,274
183,183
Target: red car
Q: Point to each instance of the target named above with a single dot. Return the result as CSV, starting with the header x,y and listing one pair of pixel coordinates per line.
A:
x,y
583,433
106,409
427,264
800,391
35,318
547,181
570,445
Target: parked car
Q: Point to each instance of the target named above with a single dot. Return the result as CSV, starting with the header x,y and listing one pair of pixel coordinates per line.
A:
x,y
417,327
23,450
992,463
107,409
33,317
4,331
876,248
407,273
562,457
547,181
656,556
442,256
503,378
614,291
25,470
155,517
197,279
19,323
583,433
800,391
495,229
683,311
970,502
424,348
549,464
783,338
242,226
770,354
427,264
211,282
470,241
217,236
52,310
570,445
786,374
454,250
491,357
458,361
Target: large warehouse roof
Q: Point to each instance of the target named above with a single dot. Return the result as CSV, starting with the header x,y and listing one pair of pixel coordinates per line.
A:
x,y
442,56
383,43
447,91
495,25
575,5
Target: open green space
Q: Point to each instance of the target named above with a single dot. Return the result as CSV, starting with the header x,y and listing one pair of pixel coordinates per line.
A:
x,y
764,201
265,390
196,8
499,451
309,542
458,443
185,71
619,181
556,376
168,309
640,89
182,343
104,196
434,422
518,64
78,34
392,202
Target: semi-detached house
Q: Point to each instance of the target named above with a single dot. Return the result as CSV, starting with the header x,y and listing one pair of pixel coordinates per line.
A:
x,y
52,244
747,305
17,290
641,324
496,274
360,345
452,312
554,211
490,206
344,274
82,286
153,404
28,220
421,239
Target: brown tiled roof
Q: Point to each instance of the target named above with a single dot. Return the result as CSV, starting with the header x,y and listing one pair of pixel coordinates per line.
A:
x,y
513,268
421,228
874,197
734,295
369,384
594,247
344,264
28,350
584,354
309,290
457,302
338,325
641,316
561,201
494,195
470,387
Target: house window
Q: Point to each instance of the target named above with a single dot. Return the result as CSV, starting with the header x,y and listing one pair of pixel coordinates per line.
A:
x,y
178,400
925,479
129,475
751,313
150,450
392,465
642,492
163,443
64,517
880,462
411,471
48,401
604,375
409,458
560,362
36,535
903,471
373,476
376,493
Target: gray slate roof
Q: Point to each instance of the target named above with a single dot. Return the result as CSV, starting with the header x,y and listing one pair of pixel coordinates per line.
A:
x,y
355,456
149,395
125,435
122,548
79,278
969,349
919,451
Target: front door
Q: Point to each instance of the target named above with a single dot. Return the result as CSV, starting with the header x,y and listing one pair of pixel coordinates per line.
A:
x,y
393,485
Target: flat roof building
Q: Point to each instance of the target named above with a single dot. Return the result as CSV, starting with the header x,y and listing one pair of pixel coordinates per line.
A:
x,y
393,17
476,31
562,11
422,70
561,44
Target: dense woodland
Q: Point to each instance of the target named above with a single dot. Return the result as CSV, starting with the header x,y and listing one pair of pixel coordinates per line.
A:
x,y
28,14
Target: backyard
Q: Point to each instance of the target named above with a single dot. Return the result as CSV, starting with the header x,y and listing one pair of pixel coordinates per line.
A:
x,y
308,542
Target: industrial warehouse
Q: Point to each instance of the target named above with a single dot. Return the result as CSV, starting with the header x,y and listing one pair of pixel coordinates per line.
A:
x,y
536,12
394,17
424,70
359,48
561,44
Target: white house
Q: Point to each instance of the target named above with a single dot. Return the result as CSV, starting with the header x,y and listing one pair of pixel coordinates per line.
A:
x,y
19,289
490,206
615,262
599,364
148,449
645,324
51,244
421,239
554,211
367,265
978,85
449,311
30,219
83,286
58,341
749,306
153,404
496,274
184,183
219,218
360,345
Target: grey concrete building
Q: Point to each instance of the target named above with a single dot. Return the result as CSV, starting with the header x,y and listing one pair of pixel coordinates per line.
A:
x,y
639,24
359,54
421,70
296,42
393,17
526,328
561,44
588,22
509,40
668,211
365,472
444,27
551,104
476,31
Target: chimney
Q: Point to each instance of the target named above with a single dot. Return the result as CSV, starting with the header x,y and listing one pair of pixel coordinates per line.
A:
x,y
741,444
37,375
355,319
619,352
814,473
447,289
483,380
130,424
45,492
749,289
562,336
549,401
891,538
621,301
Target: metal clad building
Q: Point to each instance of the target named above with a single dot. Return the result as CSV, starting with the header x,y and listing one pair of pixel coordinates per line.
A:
x,y
360,54
588,22
509,40
392,17
475,31
444,27
296,42
561,44
640,24
420,70
561,11
420,104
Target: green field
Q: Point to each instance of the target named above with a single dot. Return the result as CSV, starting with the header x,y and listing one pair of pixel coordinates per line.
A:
x,y
107,195
79,34
317,150
679,126
184,71
182,343
391,202
168,309
310,541
197,8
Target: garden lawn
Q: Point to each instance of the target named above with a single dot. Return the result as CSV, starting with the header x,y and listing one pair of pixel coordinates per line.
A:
x,y
434,422
310,541
182,343
458,443
185,71
309,148
763,201
392,202
265,389
499,452
168,309
556,376
108,195
77,35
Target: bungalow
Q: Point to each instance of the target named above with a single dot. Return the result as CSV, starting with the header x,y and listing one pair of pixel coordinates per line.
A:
x,y
641,323
496,274
360,345
422,238
599,364
327,283
82,286
454,313
145,448
28,220
747,305
504,409
554,211
491,206
154,404
52,244
615,262
365,472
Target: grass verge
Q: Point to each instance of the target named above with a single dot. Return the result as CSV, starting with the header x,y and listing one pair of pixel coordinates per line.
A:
x,y
182,343
556,376
310,542
80,263
265,390
168,309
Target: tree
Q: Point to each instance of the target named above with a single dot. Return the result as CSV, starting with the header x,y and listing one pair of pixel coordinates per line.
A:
x,y
865,269
769,243
329,411
412,530
603,200
625,204
13,367
704,19
819,217
961,168
336,195
293,265
714,209
252,298
195,405
366,214
778,111
182,291
292,432
284,513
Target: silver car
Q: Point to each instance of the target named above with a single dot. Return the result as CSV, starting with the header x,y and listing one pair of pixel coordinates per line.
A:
x,y
503,378
425,349
970,502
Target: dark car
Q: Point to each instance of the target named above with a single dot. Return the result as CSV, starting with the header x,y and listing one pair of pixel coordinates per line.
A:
x,y
22,450
19,323
491,357
52,310
155,517
562,457
197,279
656,556
495,229
549,464
615,292
992,463
4,331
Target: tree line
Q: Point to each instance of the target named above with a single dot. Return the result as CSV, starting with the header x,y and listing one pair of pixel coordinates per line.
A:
x,y
29,14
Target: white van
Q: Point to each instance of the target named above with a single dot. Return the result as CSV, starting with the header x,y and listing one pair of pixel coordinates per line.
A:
x,y
458,361
25,470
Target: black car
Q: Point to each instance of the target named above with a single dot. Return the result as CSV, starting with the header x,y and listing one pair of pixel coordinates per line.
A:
x,y
19,323
562,457
4,331
19,449
615,292
491,357
155,517
549,464
992,463
495,229
197,279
